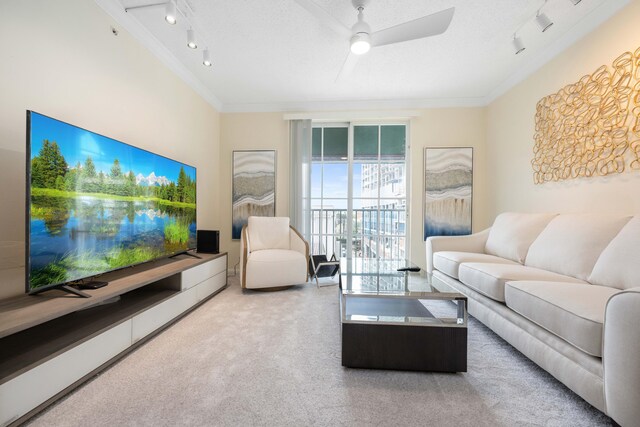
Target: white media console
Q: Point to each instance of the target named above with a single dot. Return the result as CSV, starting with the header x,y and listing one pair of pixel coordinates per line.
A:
x,y
52,342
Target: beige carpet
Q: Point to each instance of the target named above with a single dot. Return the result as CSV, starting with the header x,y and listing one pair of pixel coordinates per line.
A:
x,y
271,359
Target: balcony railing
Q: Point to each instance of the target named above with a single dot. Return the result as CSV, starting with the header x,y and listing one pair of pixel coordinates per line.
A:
x,y
375,233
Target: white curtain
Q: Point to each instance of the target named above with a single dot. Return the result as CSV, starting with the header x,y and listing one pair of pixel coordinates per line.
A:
x,y
300,176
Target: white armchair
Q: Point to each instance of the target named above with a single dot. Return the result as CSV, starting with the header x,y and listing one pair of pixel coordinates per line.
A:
x,y
272,254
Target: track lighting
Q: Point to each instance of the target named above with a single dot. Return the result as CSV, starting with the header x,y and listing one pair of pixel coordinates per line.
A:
x,y
170,13
517,44
543,21
191,39
206,58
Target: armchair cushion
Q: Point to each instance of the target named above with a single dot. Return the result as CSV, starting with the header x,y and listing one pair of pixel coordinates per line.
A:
x,y
268,268
268,233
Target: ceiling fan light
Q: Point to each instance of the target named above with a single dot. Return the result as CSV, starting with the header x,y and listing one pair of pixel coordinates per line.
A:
x,y
518,46
360,43
170,13
206,58
191,39
543,21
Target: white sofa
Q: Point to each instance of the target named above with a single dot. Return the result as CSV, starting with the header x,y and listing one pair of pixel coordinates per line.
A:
x,y
562,289
273,255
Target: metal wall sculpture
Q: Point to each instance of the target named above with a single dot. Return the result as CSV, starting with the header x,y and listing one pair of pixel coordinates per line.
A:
x,y
591,127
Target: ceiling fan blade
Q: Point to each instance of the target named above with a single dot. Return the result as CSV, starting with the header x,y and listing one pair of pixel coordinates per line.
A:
x,y
325,17
348,66
430,25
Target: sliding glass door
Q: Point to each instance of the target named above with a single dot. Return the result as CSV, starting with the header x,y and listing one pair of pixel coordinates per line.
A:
x,y
359,187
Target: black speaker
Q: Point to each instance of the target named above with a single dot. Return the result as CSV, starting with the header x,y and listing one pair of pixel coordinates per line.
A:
x,y
208,241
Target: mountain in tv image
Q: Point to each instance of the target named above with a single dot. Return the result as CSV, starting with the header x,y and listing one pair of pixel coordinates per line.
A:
x,y
98,204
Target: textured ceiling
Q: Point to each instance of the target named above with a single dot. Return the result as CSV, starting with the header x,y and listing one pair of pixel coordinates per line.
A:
x,y
273,54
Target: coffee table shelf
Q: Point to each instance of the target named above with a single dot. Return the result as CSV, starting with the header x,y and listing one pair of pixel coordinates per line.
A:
x,y
400,320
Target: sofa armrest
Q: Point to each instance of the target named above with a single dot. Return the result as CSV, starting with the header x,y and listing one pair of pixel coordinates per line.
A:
x,y
469,243
621,346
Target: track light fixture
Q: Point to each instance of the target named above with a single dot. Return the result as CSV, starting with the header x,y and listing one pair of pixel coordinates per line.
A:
x,y
543,21
170,13
191,39
518,46
206,58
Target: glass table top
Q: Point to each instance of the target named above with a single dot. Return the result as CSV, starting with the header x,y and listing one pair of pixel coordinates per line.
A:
x,y
379,277
374,292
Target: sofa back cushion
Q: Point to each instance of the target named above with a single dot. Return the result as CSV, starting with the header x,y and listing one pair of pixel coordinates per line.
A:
x,y
619,264
268,233
572,243
512,233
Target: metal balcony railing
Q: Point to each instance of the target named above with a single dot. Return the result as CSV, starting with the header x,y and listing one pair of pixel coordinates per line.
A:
x,y
376,233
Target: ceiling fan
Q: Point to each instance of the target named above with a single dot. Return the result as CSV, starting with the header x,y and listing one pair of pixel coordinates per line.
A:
x,y
362,38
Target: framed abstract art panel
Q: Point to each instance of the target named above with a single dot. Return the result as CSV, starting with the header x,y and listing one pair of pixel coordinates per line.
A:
x,y
254,187
448,189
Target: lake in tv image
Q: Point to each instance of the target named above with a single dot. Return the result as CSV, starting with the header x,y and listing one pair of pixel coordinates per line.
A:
x,y
97,204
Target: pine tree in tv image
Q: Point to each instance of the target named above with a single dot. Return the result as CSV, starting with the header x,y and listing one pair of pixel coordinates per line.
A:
x,y
97,204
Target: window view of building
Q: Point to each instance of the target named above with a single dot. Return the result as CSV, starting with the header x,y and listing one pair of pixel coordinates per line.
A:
x,y
359,191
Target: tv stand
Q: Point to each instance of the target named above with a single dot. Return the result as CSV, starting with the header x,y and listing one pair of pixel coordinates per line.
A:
x,y
191,254
50,344
66,288
74,291
93,284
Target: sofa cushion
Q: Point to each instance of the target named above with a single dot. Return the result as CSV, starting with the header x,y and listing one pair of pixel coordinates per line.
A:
x,y
489,279
275,267
571,244
268,232
574,312
448,262
619,264
512,233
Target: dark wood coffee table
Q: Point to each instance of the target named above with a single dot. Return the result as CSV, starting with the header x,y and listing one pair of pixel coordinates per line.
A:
x,y
399,320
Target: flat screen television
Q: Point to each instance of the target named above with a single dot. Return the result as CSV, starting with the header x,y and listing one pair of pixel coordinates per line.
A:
x,y
96,205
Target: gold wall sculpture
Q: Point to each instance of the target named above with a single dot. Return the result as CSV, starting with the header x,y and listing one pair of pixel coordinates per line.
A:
x,y
591,127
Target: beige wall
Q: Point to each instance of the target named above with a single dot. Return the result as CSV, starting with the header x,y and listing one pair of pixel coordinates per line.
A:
x,y
510,129
436,127
61,59
449,127
251,131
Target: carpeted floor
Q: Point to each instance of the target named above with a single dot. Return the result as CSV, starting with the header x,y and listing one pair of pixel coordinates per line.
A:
x,y
270,359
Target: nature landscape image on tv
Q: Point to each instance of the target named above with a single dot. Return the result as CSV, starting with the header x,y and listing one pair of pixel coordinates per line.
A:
x,y
97,204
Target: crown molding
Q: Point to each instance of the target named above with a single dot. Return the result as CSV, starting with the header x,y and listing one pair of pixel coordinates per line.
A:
x,y
585,26
337,105
353,115
148,40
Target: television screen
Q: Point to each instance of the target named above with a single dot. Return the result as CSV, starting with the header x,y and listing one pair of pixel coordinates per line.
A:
x,y
95,204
